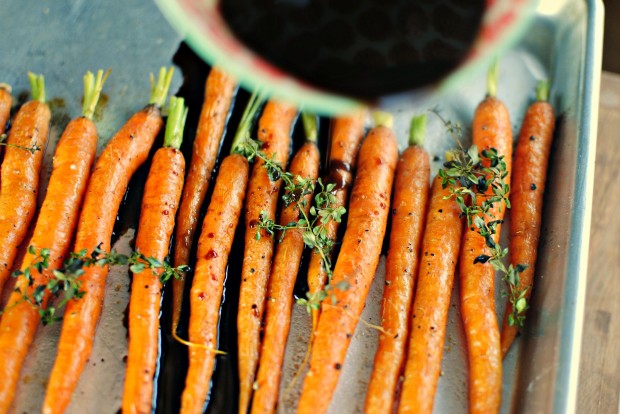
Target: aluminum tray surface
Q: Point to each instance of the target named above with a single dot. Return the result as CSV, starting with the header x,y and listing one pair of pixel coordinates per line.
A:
x,y
563,44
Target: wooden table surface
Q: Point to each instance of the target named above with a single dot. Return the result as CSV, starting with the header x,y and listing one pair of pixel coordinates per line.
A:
x,y
599,381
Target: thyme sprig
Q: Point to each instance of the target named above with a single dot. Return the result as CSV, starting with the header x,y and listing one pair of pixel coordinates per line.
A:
x,y
468,175
65,281
31,149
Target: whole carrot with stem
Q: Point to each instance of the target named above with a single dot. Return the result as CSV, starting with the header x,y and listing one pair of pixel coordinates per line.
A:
x,y
347,134
491,130
284,271
408,211
160,201
219,94
125,152
355,268
274,131
214,244
19,177
73,160
6,101
529,176
429,313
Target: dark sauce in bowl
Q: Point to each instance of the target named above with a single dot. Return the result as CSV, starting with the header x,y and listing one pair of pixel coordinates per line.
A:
x,y
361,48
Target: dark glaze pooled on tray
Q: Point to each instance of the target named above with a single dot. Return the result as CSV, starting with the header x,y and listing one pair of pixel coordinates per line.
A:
x,y
362,48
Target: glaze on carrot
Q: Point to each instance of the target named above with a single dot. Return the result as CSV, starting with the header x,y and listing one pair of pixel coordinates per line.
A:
x,y
6,101
439,255
411,186
347,134
126,151
526,196
491,129
357,262
160,202
19,176
219,94
281,284
73,160
274,131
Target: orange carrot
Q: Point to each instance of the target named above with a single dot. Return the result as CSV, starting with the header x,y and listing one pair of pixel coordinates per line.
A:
x,y
214,244
491,129
219,94
355,268
281,284
274,130
347,134
73,159
439,254
408,210
160,201
20,174
6,100
526,198
125,152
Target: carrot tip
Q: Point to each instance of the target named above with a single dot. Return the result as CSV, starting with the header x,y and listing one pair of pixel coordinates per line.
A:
x,y
159,89
383,119
177,114
417,131
6,87
92,91
37,85
195,345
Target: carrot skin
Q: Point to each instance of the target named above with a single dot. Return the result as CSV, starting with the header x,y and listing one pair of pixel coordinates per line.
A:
x,y
6,101
280,293
220,91
439,255
274,131
491,129
160,201
214,244
19,180
408,211
345,143
526,198
73,160
125,152
356,265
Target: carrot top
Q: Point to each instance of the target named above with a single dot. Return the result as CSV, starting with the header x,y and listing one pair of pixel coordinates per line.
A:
x,y
311,125
383,119
6,87
92,90
159,89
37,85
417,131
177,113
242,136
542,90
492,78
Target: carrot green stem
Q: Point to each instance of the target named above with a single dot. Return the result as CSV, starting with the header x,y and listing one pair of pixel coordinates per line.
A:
x,y
492,78
177,113
6,87
311,126
37,85
384,119
247,120
542,90
92,91
417,130
159,90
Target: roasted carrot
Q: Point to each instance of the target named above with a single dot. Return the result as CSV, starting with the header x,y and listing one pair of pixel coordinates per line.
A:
x,y
274,131
214,244
355,267
160,201
281,284
526,198
408,211
73,160
219,94
126,151
347,134
491,129
6,100
439,254
19,178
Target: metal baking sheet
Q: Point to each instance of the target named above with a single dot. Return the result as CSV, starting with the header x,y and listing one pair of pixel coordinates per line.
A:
x,y
540,373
